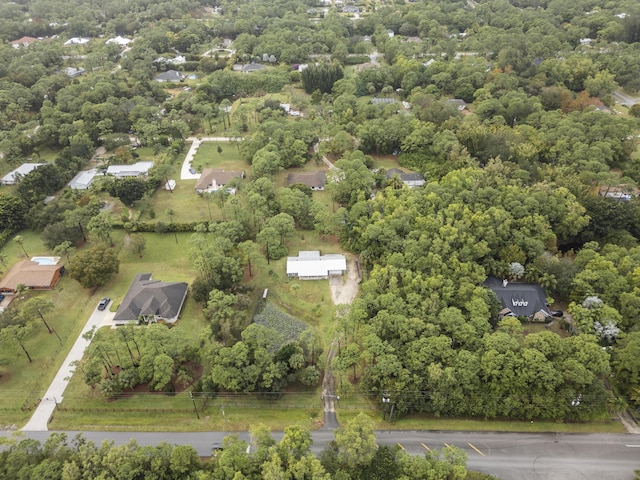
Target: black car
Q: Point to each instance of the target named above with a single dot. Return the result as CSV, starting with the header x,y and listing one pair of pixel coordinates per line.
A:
x,y
103,303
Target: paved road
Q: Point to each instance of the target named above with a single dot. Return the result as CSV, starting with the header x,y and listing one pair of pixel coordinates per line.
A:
x,y
40,418
623,99
509,456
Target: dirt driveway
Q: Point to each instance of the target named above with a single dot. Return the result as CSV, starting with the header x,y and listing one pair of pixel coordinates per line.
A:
x,y
344,289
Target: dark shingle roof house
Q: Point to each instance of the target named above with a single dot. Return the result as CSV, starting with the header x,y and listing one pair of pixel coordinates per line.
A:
x,y
409,179
314,180
148,300
170,76
519,299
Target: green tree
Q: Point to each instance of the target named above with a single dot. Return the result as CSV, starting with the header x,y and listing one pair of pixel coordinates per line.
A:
x,y
137,243
100,226
37,308
94,267
356,442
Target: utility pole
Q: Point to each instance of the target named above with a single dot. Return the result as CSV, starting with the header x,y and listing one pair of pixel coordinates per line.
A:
x,y
385,400
195,409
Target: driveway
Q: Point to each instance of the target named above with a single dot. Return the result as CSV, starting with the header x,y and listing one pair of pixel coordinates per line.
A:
x,y
185,174
344,289
40,419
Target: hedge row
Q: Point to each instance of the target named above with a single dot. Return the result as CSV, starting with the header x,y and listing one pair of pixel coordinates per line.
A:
x,y
159,227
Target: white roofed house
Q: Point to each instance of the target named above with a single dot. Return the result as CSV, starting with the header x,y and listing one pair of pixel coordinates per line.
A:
x,y
82,181
14,176
310,265
134,170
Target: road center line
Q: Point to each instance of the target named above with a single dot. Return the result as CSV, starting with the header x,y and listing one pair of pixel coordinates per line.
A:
x,y
476,449
428,449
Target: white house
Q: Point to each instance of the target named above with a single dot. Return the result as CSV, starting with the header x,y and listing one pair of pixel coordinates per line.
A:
x,y
14,176
77,41
310,265
82,181
134,170
122,41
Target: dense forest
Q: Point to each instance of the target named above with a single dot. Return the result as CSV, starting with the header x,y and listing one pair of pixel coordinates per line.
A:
x,y
506,108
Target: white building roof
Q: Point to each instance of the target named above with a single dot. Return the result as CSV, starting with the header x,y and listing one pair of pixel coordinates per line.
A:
x,y
77,41
82,181
119,40
312,264
21,171
133,170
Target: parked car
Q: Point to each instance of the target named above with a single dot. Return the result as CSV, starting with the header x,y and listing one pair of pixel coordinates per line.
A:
x,y
1,297
192,171
103,303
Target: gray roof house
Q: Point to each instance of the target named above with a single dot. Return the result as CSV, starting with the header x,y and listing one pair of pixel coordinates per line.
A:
x,y
82,181
519,299
310,265
148,301
170,76
213,179
411,180
315,180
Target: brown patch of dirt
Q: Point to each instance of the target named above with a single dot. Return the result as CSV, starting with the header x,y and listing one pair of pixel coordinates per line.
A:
x,y
345,288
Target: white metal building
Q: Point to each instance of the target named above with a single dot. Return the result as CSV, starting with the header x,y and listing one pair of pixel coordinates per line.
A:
x,y
310,265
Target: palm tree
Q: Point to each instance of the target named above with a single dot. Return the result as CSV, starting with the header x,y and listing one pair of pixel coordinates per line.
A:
x,y
20,241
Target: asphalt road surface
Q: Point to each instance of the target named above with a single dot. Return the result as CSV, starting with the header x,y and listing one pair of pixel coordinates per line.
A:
x,y
508,456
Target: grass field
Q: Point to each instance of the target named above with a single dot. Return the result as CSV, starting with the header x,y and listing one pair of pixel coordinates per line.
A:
x,y
425,422
229,159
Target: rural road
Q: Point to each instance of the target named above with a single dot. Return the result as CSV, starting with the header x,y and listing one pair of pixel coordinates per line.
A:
x,y
509,456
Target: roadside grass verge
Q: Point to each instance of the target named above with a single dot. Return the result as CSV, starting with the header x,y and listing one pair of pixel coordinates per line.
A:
x,y
426,422
235,419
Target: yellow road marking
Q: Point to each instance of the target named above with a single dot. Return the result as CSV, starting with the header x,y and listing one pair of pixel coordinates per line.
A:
x,y
447,445
425,447
476,450
400,445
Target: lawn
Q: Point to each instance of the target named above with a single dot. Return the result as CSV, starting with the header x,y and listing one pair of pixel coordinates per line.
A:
x,y
229,158
426,422
23,382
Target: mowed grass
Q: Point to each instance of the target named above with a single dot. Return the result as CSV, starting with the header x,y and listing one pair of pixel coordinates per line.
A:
x,y
229,159
426,422
22,382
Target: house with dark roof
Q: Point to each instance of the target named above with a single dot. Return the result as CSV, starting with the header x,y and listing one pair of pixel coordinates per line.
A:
x,y
314,180
148,301
170,76
213,179
33,275
519,299
411,180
